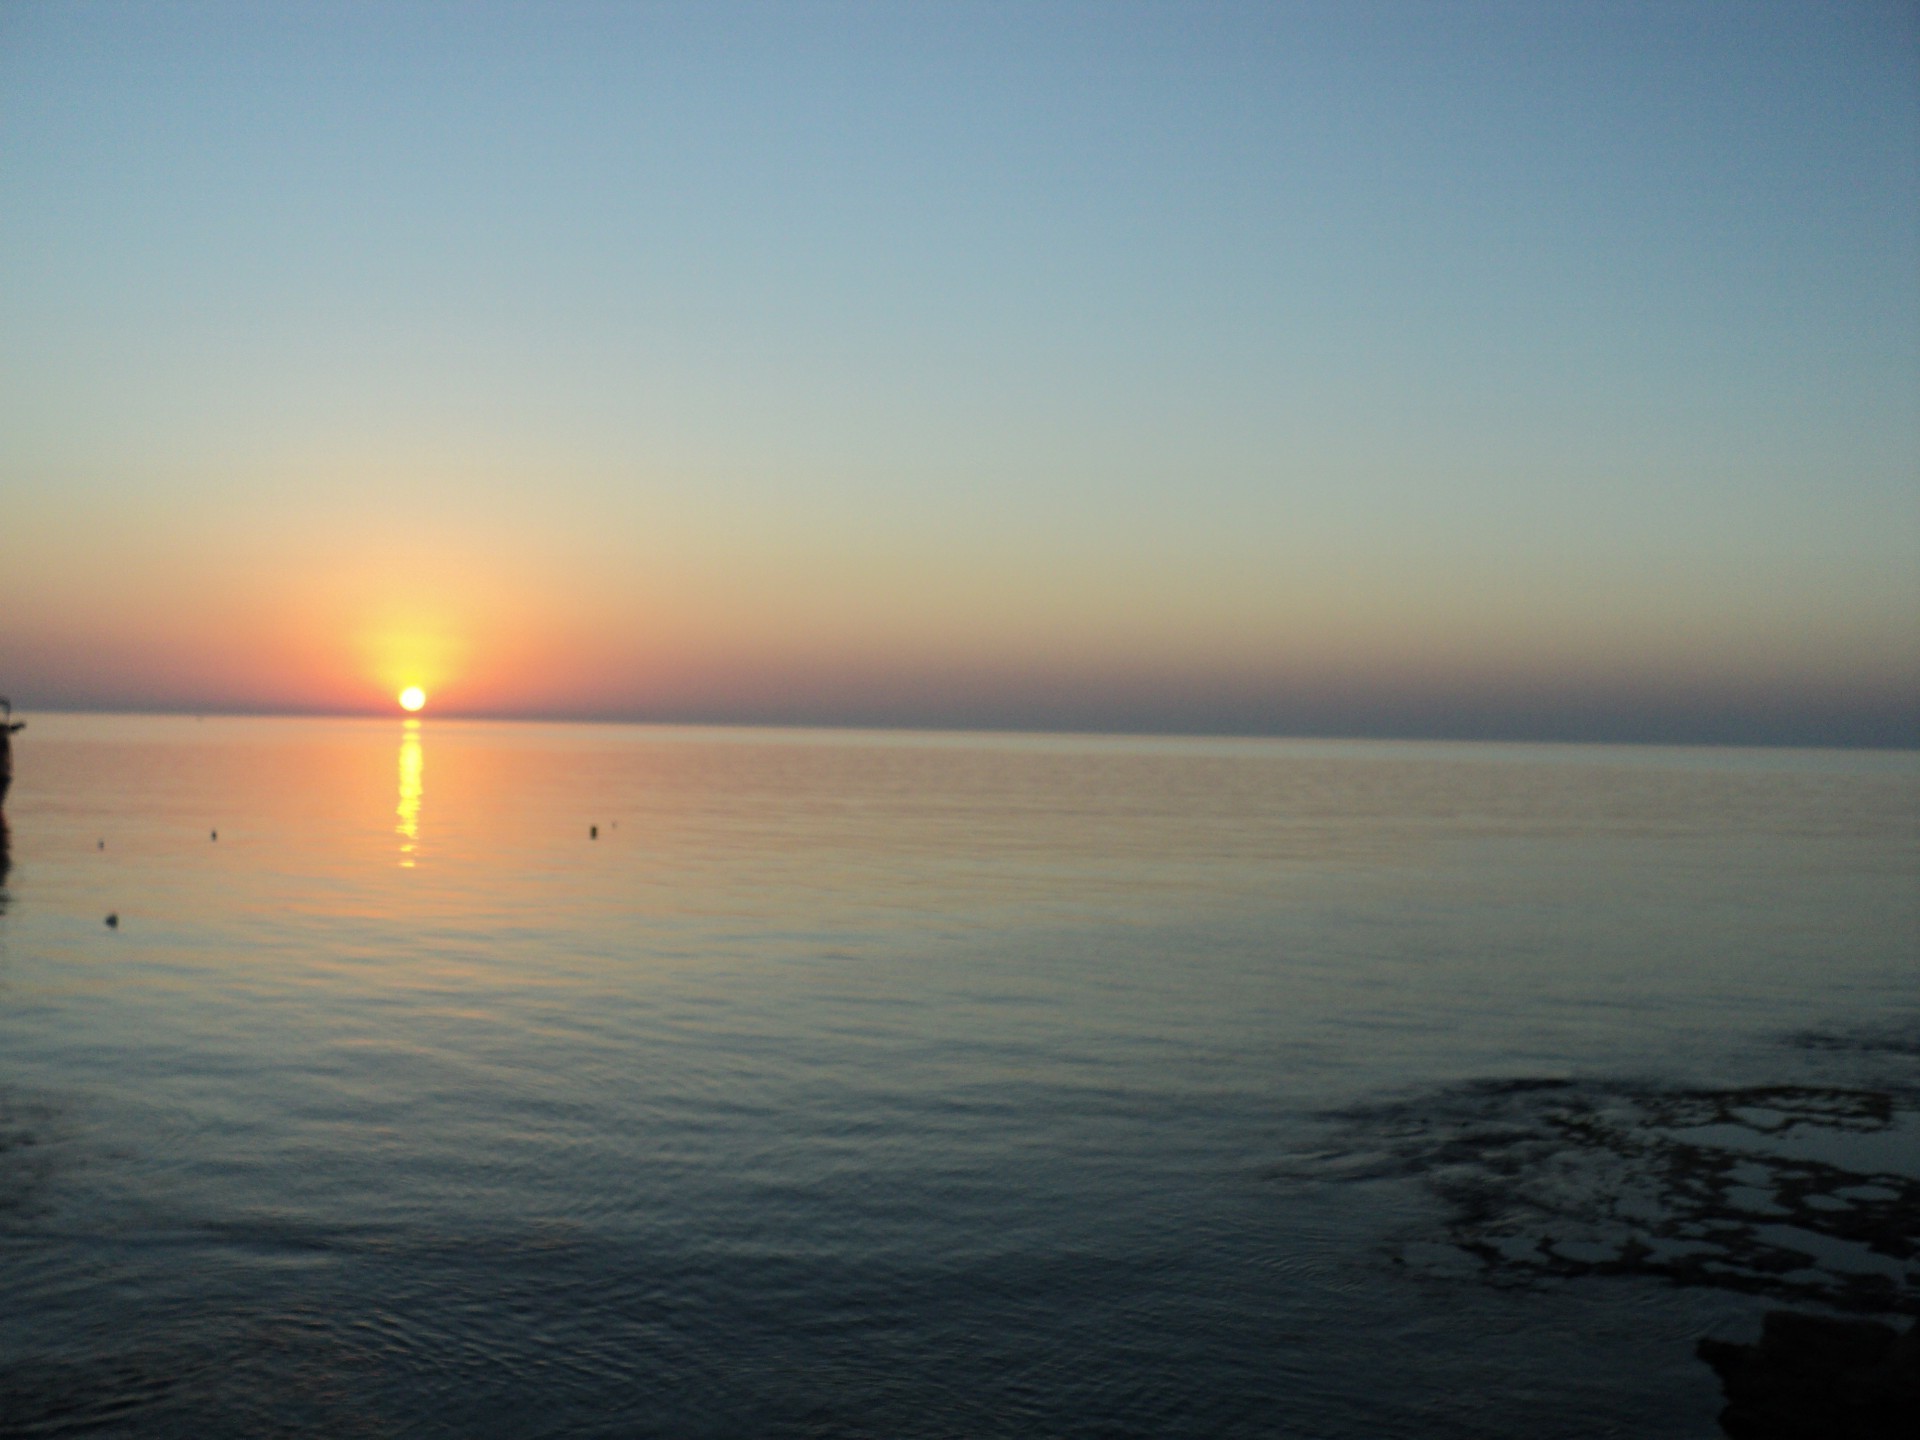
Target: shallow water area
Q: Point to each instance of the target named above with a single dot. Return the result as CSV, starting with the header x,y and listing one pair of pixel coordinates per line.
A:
x,y
487,1079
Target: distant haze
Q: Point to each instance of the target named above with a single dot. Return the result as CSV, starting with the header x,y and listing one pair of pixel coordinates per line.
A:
x,y
1508,370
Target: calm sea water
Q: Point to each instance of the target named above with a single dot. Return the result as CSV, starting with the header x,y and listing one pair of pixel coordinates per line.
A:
x,y
877,1084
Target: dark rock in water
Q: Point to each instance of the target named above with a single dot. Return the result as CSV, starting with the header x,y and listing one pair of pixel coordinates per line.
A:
x,y
1811,1378
8,727
113,921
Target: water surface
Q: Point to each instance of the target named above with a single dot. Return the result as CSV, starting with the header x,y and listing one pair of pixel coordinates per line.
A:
x,y
882,1083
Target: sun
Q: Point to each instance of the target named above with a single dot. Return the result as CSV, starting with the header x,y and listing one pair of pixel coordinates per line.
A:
x,y
412,698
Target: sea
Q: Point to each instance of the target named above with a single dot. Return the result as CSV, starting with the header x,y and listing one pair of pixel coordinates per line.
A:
x,y
369,1077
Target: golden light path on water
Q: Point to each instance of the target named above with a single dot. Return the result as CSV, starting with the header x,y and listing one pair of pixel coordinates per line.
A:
x,y
408,811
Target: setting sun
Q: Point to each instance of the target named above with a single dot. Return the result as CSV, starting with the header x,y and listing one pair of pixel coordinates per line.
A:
x,y
412,698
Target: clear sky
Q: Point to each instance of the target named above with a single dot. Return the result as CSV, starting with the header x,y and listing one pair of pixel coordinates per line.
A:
x,y
1449,369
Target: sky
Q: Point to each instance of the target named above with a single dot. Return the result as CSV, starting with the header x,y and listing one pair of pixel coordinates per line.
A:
x,y
1531,371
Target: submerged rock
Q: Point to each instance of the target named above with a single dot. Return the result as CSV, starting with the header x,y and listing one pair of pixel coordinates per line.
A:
x,y
1557,1180
1811,1376
1806,1193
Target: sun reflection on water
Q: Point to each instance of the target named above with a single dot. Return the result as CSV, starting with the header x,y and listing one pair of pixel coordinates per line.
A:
x,y
411,766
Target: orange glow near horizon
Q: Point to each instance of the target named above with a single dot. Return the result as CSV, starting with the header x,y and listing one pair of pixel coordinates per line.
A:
x,y
412,698
415,653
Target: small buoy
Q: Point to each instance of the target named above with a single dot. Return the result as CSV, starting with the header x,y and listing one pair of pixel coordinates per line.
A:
x,y
593,832
113,921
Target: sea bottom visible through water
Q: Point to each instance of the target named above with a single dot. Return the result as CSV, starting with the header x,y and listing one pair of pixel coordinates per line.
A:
x,y
462,1079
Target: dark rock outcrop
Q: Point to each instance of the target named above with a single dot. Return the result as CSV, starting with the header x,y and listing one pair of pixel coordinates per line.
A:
x,y
1814,1378
8,725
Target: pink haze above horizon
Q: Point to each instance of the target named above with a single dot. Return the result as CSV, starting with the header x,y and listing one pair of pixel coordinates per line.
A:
x,y
1489,370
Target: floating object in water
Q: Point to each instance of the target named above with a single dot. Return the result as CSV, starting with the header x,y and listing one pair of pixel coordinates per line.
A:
x,y
213,834
593,832
99,844
113,921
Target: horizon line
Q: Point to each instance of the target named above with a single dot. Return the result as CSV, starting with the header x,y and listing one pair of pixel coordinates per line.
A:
x,y
1410,735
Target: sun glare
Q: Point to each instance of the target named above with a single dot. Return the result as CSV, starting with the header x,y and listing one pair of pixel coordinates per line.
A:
x,y
412,698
